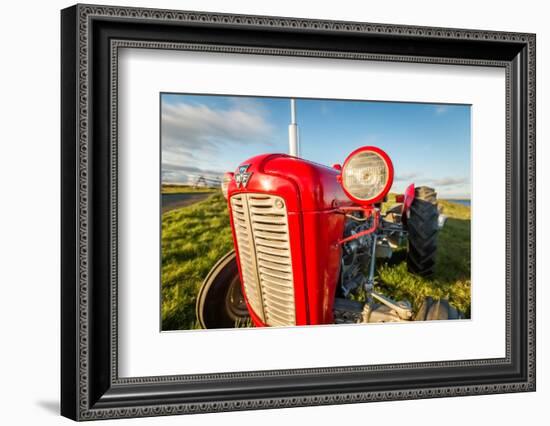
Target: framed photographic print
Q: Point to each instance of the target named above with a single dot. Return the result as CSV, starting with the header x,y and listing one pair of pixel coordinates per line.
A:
x,y
263,212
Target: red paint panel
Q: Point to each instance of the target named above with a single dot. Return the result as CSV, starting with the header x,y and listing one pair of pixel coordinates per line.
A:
x,y
322,259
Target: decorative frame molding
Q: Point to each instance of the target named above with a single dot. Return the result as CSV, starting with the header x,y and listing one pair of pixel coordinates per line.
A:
x,y
91,37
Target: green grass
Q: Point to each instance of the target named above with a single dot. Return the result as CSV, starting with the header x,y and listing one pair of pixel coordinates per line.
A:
x,y
195,237
452,275
185,189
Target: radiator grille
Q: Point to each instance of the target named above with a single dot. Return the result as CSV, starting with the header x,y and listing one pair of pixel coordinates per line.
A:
x,y
261,228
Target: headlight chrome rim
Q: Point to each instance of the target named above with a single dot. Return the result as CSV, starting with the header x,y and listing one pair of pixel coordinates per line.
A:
x,y
379,195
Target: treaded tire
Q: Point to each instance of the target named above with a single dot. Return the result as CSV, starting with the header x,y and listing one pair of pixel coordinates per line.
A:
x,y
220,303
422,232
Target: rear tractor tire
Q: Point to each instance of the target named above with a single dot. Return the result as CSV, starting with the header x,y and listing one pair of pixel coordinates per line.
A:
x,y
422,226
220,303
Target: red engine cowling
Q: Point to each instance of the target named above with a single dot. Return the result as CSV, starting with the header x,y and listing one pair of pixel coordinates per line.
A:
x,y
286,229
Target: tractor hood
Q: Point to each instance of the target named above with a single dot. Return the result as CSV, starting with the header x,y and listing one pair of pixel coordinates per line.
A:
x,y
306,186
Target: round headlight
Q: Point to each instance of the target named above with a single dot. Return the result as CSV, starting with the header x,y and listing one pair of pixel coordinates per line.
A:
x,y
367,175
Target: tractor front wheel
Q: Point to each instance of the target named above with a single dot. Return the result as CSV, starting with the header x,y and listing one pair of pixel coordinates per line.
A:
x,y
220,303
422,230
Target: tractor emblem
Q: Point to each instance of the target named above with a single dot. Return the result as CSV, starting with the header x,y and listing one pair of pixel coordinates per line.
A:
x,y
242,177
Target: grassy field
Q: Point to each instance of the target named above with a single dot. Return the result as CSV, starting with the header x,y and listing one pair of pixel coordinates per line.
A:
x,y
195,237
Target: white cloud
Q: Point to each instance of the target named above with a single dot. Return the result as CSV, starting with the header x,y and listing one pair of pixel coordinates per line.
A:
x,y
406,177
195,136
450,181
198,126
446,187
441,109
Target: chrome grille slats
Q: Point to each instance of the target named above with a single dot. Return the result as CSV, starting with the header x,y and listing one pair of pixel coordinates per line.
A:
x,y
271,250
271,236
268,220
276,274
278,228
247,257
270,243
261,229
269,263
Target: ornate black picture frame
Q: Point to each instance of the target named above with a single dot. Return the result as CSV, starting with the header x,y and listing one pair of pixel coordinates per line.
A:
x,y
91,36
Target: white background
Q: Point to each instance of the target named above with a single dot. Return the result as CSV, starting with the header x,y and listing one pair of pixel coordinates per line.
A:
x,y
29,214
146,352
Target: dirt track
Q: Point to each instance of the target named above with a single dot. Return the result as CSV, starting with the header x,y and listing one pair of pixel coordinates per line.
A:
x,y
175,201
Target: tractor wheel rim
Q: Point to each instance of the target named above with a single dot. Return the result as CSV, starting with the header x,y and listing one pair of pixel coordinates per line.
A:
x,y
235,302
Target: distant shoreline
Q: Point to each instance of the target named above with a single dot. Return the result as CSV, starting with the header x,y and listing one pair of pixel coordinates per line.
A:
x,y
463,201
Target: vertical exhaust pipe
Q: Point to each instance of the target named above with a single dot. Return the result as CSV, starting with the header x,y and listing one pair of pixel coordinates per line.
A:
x,y
293,147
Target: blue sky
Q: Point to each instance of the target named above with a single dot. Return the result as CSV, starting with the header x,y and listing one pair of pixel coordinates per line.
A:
x,y
206,135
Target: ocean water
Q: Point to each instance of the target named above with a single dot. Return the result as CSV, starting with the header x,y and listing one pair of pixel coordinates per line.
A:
x,y
463,202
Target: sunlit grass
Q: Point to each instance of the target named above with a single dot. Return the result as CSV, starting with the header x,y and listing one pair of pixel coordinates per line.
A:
x,y
194,238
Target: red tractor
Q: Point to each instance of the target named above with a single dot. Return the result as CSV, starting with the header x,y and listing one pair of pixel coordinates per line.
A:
x,y
307,238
